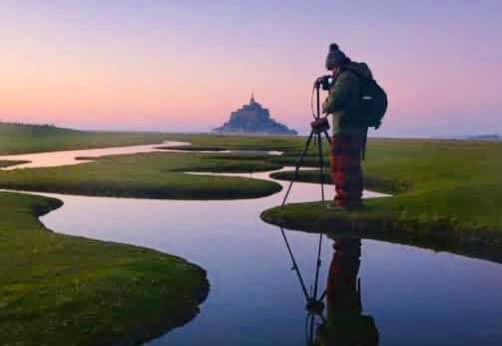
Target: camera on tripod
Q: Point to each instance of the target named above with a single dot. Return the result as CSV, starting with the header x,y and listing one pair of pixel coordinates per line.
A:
x,y
320,125
324,82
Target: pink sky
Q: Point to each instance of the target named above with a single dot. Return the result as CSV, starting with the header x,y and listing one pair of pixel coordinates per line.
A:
x,y
179,66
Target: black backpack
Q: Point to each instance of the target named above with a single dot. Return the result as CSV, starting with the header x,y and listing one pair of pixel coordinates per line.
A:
x,y
373,103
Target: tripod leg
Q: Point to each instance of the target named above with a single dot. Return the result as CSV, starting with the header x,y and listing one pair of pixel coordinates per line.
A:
x,y
328,138
297,169
321,173
318,266
323,295
295,265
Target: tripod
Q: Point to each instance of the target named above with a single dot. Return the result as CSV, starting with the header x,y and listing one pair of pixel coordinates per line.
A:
x,y
319,127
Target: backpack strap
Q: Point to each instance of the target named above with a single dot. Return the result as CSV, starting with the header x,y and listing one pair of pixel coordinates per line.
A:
x,y
365,135
365,142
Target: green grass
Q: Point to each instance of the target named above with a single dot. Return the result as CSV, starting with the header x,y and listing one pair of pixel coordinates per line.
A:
x,y
153,175
208,142
61,290
443,190
191,148
8,163
291,146
20,139
460,180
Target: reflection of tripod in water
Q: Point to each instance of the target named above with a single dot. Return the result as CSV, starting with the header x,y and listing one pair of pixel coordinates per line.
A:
x,y
320,127
344,323
314,302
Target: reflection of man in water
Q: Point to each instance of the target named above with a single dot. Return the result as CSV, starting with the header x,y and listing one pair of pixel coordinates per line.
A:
x,y
345,324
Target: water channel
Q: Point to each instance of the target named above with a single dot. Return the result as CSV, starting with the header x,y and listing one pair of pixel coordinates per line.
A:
x,y
396,294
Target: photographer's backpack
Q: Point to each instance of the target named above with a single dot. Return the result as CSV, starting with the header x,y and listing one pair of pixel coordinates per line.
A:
x,y
373,103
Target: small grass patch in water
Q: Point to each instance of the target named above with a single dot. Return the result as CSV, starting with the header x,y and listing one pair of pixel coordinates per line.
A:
x,y
437,233
59,290
153,175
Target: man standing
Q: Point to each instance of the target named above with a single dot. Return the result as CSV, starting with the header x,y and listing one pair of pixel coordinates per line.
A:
x,y
349,132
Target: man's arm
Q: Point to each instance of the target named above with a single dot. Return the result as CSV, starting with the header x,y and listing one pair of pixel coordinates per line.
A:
x,y
342,93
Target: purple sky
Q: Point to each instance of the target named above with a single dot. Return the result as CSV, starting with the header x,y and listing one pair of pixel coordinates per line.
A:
x,y
185,65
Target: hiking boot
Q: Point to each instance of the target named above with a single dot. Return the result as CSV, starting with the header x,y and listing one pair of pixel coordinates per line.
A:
x,y
336,205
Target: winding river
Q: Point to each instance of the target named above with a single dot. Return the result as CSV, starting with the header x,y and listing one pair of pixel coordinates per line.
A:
x,y
397,294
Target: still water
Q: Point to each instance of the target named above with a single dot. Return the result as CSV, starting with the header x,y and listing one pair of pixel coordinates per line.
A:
x,y
71,157
396,294
409,295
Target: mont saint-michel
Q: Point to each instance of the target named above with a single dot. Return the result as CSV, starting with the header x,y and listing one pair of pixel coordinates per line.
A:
x,y
253,118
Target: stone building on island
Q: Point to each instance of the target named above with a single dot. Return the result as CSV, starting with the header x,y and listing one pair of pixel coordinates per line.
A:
x,y
253,119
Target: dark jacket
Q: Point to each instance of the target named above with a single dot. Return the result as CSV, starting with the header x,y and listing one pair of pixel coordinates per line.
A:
x,y
344,97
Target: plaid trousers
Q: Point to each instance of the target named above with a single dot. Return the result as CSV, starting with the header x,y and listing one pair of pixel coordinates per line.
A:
x,y
346,170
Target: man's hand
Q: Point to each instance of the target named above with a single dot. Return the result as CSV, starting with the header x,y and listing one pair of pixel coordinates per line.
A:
x,y
324,106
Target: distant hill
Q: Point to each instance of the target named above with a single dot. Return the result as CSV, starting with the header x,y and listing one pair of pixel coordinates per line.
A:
x,y
488,137
13,129
18,138
482,137
253,119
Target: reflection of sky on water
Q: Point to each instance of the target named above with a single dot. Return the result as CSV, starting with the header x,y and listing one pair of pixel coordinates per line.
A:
x,y
416,296
69,157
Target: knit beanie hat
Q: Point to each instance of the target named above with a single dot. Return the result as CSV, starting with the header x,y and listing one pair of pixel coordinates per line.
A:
x,y
336,57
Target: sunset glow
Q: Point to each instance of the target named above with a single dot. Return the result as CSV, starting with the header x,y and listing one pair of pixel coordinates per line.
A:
x,y
176,66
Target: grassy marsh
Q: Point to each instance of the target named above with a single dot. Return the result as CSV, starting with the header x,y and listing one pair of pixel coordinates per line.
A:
x,y
447,196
